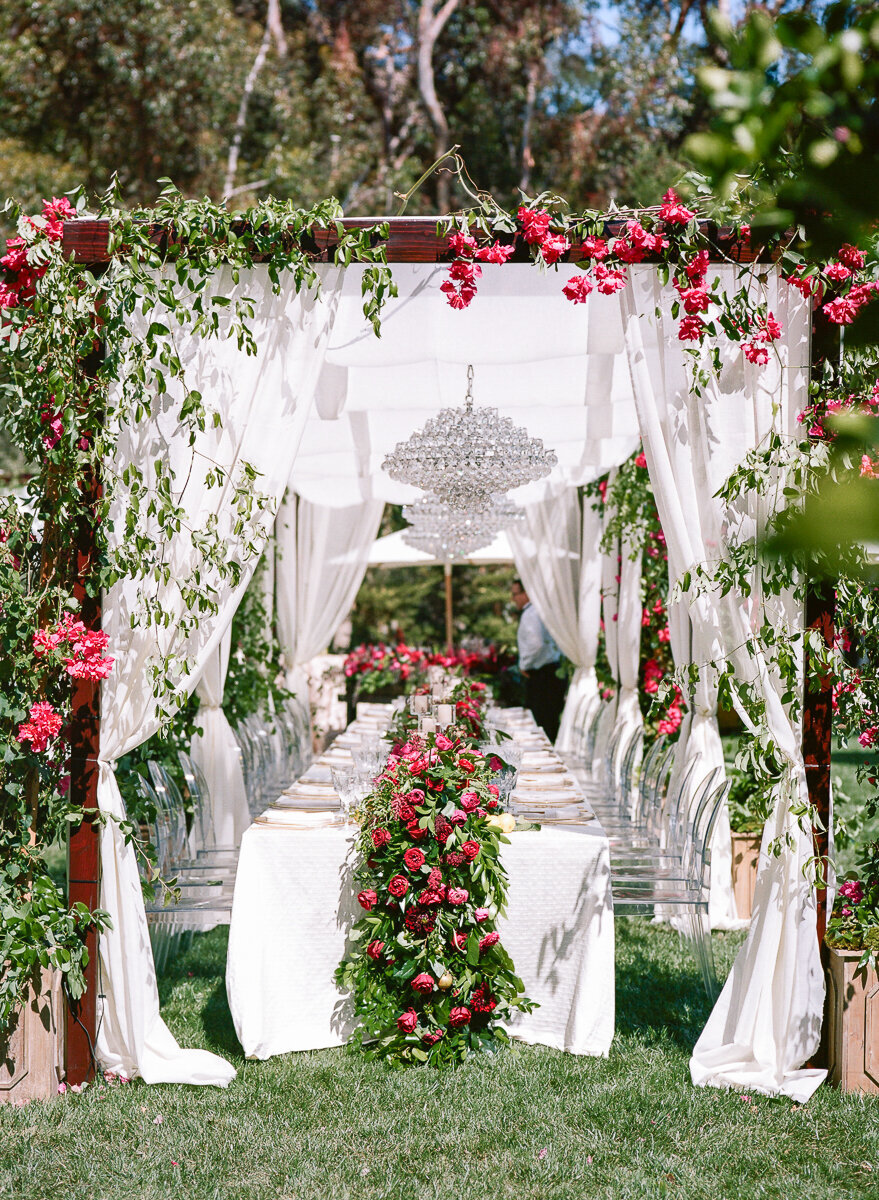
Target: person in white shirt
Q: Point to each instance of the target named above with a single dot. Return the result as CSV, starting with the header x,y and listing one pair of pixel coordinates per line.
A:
x,y
538,664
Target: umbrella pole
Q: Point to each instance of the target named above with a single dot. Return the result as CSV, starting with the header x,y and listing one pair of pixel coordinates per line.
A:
x,y
449,632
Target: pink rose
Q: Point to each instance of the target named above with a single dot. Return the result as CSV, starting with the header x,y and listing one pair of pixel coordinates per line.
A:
x,y
494,790
407,1021
481,915
457,896
367,899
413,858
469,801
443,743
459,1016
490,939
398,886
423,983
458,817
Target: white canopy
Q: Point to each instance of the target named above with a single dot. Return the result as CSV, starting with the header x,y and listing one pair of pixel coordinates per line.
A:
x,y
392,551
555,367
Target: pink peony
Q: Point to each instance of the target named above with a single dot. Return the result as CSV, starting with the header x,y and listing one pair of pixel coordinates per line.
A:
x,y
490,939
458,817
469,801
481,915
577,289
457,895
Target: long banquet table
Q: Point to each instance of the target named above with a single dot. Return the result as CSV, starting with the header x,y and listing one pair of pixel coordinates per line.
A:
x,y
294,904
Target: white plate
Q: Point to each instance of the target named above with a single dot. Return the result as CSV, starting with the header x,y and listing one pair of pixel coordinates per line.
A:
x,y
297,818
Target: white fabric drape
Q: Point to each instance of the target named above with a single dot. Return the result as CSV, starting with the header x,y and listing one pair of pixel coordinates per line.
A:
x,y
216,752
321,558
767,1021
263,401
583,690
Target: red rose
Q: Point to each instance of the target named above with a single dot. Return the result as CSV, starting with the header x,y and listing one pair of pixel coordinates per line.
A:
x,y
415,831
380,837
495,763
423,983
430,896
470,850
374,950
457,895
430,1039
466,765
458,817
491,804
443,830
414,858
459,940
402,811
458,1016
367,899
469,801
398,886
490,939
407,1021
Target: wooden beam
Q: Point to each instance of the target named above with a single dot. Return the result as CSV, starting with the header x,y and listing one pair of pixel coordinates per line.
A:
x,y
83,855
820,616
410,239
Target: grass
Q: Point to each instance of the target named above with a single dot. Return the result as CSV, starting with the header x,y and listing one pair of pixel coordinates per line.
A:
x,y
529,1124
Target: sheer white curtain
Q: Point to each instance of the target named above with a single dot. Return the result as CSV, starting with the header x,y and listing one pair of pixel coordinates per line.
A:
x,y
557,557
321,558
767,1021
216,752
263,401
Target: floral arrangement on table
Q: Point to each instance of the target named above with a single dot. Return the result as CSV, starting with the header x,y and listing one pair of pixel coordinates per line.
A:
x,y
377,667
430,977
854,924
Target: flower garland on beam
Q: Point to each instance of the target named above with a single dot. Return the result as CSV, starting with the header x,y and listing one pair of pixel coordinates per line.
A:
x,y
428,972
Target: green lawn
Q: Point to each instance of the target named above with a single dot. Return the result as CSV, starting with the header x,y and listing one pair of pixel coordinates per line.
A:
x,y
530,1123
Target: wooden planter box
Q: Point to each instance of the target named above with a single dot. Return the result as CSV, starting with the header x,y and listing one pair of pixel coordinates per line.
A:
x,y
851,1023
32,1053
745,855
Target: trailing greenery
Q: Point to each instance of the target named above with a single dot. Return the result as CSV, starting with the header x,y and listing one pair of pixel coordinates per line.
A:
x,y
252,681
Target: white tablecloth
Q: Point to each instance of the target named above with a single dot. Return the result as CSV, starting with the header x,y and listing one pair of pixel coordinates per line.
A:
x,y
294,902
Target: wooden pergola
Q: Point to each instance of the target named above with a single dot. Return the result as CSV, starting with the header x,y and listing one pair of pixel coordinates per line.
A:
x,y
409,240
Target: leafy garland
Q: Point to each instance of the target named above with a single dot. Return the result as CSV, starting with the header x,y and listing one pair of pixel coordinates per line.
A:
x,y
429,976
63,407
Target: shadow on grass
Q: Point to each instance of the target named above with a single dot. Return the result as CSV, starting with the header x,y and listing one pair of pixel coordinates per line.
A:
x,y
659,990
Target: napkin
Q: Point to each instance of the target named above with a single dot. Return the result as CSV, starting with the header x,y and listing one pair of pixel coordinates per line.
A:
x,y
305,799
297,818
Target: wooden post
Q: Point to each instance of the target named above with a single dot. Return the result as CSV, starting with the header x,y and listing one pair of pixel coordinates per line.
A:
x,y
820,614
450,633
83,846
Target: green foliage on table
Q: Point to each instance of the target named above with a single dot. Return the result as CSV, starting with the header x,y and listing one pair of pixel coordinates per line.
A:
x,y
429,975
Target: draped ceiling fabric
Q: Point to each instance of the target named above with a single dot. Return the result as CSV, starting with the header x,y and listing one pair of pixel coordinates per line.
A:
x,y
563,586
767,1021
557,368
321,557
263,400
216,752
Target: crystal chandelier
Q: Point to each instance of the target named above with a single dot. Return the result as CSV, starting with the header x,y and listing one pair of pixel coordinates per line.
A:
x,y
466,456
449,533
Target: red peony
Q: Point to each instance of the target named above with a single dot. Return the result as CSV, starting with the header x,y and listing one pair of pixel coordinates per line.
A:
x,y
423,983
459,1015
414,858
375,949
470,850
398,886
402,810
367,899
431,897
534,222
407,1021
457,895
672,211
380,837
